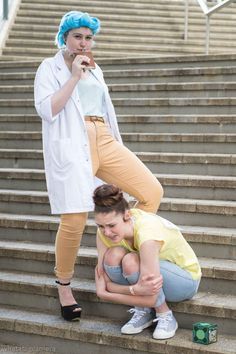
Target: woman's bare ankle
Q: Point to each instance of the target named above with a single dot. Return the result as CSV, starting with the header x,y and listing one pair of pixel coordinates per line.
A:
x,y
65,293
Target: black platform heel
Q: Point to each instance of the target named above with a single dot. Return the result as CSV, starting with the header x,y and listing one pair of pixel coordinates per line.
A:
x,y
68,312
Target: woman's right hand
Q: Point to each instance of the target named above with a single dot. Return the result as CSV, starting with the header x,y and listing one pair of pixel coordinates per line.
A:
x,y
60,98
78,68
148,285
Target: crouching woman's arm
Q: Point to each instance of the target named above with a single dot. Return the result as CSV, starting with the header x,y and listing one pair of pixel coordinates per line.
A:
x,y
124,294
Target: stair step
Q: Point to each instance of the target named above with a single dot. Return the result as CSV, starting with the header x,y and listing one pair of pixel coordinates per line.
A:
x,y
161,90
106,50
154,142
176,186
26,202
21,122
21,31
13,78
146,75
23,179
199,74
166,30
44,39
127,63
162,53
198,212
21,158
168,142
219,105
219,308
174,163
45,11
170,106
177,123
126,15
177,90
24,140
94,334
178,210
135,123
198,187
169,62
201,64
41,228
150,6
122,41
195,163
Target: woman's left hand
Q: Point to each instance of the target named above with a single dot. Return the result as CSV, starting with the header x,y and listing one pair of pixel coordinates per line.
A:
x,y
148,285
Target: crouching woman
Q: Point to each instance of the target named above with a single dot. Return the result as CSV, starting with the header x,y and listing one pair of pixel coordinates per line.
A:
x,y
143,261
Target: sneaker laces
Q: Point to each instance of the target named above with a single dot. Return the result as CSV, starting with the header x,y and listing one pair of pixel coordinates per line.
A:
x,y
138,314
163,321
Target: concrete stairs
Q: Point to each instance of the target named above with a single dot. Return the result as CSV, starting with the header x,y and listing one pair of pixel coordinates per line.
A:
x,y
152,27
177,113
191,150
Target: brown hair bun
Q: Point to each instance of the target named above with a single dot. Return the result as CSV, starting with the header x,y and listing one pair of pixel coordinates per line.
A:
x,y
108,198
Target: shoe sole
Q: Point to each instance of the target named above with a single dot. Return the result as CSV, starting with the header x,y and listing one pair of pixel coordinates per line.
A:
x,y
169,336
139,330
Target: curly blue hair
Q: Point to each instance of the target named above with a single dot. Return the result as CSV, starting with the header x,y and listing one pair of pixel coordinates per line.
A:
x,y
75,19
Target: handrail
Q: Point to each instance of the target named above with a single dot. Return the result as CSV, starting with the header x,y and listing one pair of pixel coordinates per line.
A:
x,y
5,9
207,12
8,9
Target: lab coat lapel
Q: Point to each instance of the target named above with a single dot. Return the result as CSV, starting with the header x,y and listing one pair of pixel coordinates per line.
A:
x,y
62,72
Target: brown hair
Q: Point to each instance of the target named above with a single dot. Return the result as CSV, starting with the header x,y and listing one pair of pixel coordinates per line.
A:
x,y
108,198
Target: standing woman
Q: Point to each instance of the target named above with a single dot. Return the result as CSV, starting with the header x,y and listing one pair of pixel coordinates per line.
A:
x,y
136,250
81,140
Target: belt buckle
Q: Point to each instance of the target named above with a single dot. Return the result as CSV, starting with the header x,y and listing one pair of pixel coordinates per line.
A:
x,y
94,119
98,119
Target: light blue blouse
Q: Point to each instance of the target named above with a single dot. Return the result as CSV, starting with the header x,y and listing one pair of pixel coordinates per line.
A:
x,y
91,93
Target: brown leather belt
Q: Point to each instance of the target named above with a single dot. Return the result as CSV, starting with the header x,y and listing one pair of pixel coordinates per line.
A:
x,y
93,119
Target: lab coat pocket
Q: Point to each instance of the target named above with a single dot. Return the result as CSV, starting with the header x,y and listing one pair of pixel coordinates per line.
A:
x,y
62,153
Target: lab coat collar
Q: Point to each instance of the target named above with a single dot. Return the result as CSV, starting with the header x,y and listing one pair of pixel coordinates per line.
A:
x,y
63,72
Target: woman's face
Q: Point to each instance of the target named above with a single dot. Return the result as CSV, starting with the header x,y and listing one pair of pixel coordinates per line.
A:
x,y
113,225
79,39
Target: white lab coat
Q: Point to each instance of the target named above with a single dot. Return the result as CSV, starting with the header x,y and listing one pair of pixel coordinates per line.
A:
x,y
67,159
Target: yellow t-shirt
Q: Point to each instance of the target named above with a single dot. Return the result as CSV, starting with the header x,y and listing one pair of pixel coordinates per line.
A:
x,y
175,248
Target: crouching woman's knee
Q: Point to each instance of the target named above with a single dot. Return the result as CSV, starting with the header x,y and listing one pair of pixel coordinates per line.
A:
x,y
114,256
130,263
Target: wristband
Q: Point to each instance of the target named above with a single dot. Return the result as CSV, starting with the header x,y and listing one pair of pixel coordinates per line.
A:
x,y
131,289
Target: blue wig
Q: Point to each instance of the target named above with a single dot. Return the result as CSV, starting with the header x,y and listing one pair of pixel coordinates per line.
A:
x,y
75,19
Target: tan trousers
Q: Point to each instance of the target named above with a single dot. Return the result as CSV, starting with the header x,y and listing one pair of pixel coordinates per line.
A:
x,y
113,163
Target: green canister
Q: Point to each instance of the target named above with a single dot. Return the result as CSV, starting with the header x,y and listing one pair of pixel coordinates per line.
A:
x,y
205,333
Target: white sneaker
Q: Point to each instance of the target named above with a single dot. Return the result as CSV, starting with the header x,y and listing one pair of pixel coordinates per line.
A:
x,y
141,319
166,326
